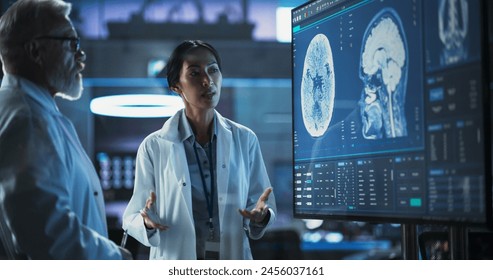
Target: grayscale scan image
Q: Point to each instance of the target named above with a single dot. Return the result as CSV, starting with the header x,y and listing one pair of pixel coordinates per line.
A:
x,y
317,86
383,70
453,20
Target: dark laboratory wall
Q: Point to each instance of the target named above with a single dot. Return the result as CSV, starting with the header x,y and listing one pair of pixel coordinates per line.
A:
x,y
241,59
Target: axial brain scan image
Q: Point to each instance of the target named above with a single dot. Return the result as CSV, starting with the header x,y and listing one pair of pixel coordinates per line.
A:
x,y
317,86
383,70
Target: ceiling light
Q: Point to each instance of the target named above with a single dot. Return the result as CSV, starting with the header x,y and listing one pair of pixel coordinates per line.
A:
x,y
137,105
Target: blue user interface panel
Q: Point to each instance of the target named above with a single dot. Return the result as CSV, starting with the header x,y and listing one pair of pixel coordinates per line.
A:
x,y
391,111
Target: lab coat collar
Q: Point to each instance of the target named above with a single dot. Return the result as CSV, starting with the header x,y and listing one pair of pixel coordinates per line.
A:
x,y
39,94
186,132
170,129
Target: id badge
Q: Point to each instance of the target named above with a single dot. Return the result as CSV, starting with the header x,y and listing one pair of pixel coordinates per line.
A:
x,y
211,250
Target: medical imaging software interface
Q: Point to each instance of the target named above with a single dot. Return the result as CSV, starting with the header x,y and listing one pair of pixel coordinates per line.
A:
x,y
387,110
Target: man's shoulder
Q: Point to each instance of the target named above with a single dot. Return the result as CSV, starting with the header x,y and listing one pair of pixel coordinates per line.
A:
x,y
9,95
19,112
13,104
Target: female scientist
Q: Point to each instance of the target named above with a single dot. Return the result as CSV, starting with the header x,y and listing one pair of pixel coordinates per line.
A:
x,y
199,174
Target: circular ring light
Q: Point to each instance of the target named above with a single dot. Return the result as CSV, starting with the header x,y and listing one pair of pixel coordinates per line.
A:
x,y
137,105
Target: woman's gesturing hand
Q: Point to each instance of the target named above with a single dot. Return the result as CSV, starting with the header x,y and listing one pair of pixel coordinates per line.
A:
x,y
151,219
259,213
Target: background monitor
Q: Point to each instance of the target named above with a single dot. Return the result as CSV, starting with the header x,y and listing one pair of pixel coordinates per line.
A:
x,y
391,112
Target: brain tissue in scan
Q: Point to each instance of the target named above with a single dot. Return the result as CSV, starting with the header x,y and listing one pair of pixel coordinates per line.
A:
x,y
317,86
383,71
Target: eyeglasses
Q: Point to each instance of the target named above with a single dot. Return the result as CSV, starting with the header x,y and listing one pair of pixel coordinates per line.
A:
x,y
74,41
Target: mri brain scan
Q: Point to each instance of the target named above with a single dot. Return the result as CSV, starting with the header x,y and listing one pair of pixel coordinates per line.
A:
x,y
317,86
452,30
383,70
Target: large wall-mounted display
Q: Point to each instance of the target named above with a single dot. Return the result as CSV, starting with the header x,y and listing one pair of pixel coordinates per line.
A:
x,y
391,112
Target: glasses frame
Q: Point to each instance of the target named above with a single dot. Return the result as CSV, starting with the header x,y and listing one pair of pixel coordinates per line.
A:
x,y
74,41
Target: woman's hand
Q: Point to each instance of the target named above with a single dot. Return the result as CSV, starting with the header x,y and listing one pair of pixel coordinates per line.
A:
x,y
151,219
259,213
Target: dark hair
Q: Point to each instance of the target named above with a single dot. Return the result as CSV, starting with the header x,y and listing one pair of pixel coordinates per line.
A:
x,y
175,61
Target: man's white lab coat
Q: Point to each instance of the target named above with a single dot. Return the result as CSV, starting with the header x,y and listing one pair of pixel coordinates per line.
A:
x,y
51,201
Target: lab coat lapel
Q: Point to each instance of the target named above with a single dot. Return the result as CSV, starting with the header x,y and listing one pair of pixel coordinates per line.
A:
x,y
182,175
224,144
169,132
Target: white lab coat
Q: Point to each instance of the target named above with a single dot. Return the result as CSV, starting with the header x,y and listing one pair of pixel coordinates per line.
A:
x,y
162,167
50,195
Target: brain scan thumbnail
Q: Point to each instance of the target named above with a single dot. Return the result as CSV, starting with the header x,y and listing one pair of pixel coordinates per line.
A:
x,y
453,20
383,70
317,86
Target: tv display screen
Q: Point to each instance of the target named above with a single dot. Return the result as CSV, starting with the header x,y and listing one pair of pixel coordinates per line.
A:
x,y
391,111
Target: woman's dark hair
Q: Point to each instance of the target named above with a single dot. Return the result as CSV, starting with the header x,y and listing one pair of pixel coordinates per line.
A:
x,y
175,61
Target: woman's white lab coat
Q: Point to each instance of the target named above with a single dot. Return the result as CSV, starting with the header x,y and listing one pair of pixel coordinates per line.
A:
x,y
162,167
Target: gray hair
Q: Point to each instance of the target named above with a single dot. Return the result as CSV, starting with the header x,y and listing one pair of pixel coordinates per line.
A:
x,y
25,20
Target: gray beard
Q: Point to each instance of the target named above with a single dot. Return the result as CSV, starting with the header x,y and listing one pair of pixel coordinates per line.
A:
x,y
70,95
71,92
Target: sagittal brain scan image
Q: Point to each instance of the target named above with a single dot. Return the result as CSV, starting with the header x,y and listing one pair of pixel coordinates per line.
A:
x,y
383,70
453,18
317,86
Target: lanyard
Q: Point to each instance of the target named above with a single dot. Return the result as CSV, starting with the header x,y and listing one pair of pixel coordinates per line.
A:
x,y
209,198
